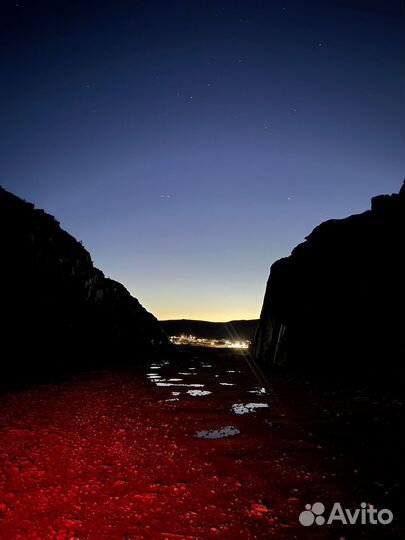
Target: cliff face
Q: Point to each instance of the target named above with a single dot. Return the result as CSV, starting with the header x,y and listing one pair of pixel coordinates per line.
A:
x,y
57,309
334,302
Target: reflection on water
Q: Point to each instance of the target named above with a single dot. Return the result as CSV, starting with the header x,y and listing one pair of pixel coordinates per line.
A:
x,y
258,391
198,392
179,384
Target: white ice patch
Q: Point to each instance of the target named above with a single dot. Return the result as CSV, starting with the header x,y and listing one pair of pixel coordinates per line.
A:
x,y
240,408
227,431
174,380
182,373
227,384
191,368
198,392
175,393
155,367
179,384
172,399
258,391
206,365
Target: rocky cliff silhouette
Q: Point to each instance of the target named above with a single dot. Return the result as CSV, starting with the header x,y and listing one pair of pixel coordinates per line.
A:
x,y
58,311
332,306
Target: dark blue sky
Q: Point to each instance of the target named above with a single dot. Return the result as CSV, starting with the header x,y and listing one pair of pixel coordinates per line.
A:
x,y
191,144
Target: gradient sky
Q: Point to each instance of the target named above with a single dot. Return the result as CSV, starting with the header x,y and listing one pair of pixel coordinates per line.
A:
x,y
191,144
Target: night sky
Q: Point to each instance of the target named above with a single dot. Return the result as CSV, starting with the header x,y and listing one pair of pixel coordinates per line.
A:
x,y
191,144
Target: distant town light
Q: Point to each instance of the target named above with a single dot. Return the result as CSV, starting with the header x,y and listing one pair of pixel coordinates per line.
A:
x,y
208,342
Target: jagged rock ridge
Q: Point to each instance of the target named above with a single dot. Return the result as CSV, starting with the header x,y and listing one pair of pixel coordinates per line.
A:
x,y
57,308
333,304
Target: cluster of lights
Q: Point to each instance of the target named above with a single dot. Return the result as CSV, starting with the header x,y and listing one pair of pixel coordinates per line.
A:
x,y
205,342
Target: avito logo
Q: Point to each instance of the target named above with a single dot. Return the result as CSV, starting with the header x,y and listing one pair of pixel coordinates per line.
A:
x,y
365,515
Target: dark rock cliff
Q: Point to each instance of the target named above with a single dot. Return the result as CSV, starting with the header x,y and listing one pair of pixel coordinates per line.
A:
x,y
332,306
57,310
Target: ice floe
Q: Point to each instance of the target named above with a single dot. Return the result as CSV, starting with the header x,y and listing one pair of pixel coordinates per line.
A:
x,y
179,384
198,392
258,391
241,408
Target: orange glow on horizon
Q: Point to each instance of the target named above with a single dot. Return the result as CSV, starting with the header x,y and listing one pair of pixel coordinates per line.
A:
x,y
205,316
